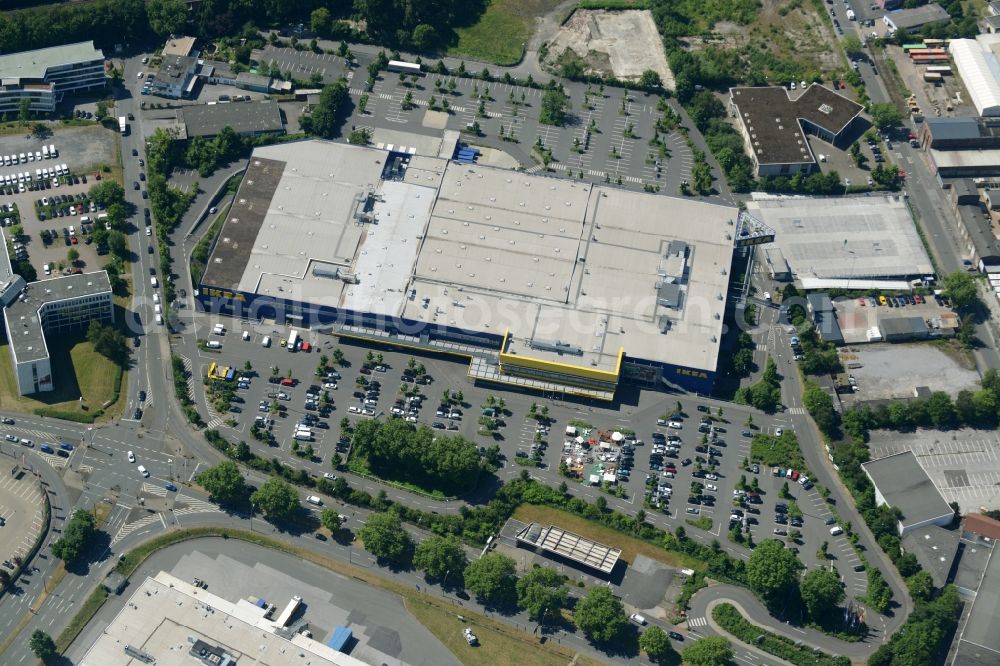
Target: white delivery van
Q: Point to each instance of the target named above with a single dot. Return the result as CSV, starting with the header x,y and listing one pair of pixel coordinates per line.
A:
x,y
153,282
246,335
302,436
836,530
219,329
52,150
313,499
45,152
156,298
159,320
213,344
156,308
266,342
48,269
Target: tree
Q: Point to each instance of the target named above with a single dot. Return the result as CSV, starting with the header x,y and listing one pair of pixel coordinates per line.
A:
x,y
885,115
72,255
600,616
166,16
24,110
439,556
553,111
108,342
224,483
325,119
960,288
76,536
42,645
542,592
655,643
320,22
921,586
821,592
107,193
852,45
650,79
276,499
819,404
711,651
425,37
773,571
330,519
384,537
492,578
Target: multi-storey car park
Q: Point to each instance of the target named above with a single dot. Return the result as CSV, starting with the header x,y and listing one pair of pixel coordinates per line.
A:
x,y
45,75
544,283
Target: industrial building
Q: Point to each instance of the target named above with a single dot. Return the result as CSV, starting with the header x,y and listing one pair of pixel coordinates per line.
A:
x,y
169,621
824,315
903,329
543,283
855,242
978,638
245,118
902,483
910,20
774,125
555,541
976,62
177,75
45,75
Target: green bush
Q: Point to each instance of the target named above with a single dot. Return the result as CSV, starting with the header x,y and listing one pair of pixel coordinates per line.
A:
x,y
730,619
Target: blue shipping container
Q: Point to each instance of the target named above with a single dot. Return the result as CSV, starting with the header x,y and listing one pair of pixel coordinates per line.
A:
x,y
339,639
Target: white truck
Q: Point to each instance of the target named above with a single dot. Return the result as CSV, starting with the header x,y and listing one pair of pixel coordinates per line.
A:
x,y
123,125
850,15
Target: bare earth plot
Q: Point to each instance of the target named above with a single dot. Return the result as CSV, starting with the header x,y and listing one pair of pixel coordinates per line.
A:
x,y
622,44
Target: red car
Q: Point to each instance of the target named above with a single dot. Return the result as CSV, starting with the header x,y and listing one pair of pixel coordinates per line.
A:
x,y
902,173
795,475
911,136
861,302
306,347
73,240
287,381
918,299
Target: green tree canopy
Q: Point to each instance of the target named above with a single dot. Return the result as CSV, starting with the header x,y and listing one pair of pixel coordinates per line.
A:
x,y
960,288
554,104
885,115
108,341
224,483
492,578
542,592
326,116
276,499
600,616
330,519
773,572
711,651
42,645
76,536
107,193
656,644
384,537
650,79
166,16
439,557
821,592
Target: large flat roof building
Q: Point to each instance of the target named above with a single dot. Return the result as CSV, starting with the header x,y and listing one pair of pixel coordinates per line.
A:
x,y
979,638
901,482
246,118
915,18
45,75
774,125
556,541
542,279
170,621
50,307
852,238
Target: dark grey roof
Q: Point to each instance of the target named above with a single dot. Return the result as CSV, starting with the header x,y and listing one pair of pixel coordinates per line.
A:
x,y
979,642
962,128
773,120
935,548
979,232
903,483
820,302
905,19
668,294
244,117
992,21
964,187
903,326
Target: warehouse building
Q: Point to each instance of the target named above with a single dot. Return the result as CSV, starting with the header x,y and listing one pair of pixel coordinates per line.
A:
x,y
902,483
976,63
774,125
910,20
558,543
45,75
245,118
542,283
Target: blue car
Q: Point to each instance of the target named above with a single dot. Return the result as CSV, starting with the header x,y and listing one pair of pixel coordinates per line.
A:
x,y
65,446
45,448
171,487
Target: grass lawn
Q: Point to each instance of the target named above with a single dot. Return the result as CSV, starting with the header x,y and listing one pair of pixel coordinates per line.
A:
x,y
501,31
531,513
77,371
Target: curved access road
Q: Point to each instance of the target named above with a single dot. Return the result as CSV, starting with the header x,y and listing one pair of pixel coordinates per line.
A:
x,y
700,622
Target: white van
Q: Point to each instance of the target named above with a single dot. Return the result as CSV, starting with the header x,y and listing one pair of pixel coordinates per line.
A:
x,y
213,344
266,342
52,150
156,308
48,269
153,282
156,298
836,530
302,436
219,330
246,335
312,499
85,219
45,152
159,320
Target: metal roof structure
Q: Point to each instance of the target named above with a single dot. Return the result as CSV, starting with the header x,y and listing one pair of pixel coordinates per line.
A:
x,y
245,118
35,64
980,73
917,17
979,639
559,542
901,482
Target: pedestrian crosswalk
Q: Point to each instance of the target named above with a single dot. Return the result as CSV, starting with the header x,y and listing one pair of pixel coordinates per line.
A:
x,y
151,489
133,526
194,505
797,410
697,622
38,436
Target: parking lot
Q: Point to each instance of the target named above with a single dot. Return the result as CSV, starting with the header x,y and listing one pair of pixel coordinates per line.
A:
x,y
886,371
964,465
606,136
303,64
518,434
21,510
